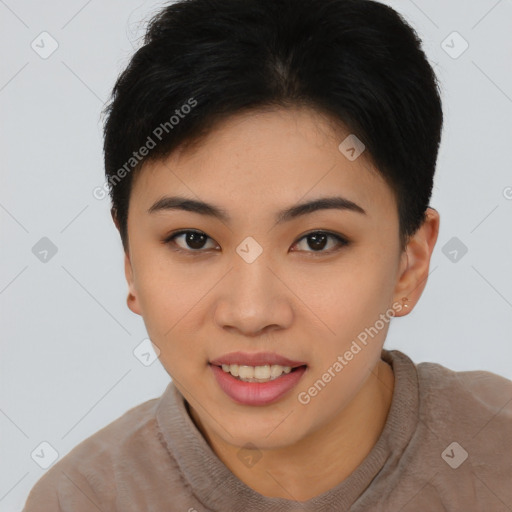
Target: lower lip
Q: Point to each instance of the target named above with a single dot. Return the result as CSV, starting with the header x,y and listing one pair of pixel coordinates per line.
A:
x,y
256,393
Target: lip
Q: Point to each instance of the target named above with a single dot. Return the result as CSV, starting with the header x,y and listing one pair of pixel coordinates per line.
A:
x,y
255,359
257,393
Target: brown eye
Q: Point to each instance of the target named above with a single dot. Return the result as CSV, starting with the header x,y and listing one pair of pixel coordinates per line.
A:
x,y
191,241
318,240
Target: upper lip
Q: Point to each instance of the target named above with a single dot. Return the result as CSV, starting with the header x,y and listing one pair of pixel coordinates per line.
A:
x,y
255,359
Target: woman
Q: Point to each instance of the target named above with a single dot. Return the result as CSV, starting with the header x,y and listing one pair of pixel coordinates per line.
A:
x,y
270,166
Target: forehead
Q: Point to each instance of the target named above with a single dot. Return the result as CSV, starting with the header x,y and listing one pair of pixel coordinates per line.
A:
x,y
254,160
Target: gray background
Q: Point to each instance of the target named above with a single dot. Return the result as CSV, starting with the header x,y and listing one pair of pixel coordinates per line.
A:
x,y
67,365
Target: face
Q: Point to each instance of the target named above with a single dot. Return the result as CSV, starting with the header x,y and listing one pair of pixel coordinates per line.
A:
x,y
305,287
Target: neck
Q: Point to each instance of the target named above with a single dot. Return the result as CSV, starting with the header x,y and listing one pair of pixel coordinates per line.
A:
x,y
306,469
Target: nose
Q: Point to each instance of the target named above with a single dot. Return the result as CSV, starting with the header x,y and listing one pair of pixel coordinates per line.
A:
x,y
253,299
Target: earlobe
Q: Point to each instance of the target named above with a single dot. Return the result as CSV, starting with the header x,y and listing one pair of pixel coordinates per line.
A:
x,y
415,263
131,301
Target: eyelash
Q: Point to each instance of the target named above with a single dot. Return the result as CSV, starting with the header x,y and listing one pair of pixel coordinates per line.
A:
x,y
169,240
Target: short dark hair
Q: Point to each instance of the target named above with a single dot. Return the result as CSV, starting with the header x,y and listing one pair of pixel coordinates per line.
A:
x,y
358,61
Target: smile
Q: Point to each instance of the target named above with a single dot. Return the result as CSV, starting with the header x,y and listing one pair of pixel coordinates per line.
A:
x,y
257,385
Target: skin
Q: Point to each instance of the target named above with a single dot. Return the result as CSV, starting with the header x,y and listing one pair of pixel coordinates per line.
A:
x,y
301,300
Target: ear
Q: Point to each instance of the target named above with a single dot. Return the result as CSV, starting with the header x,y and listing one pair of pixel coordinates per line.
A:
x,y
131,300
415,262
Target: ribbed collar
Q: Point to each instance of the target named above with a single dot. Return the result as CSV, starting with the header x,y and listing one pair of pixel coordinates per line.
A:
x,y
218,489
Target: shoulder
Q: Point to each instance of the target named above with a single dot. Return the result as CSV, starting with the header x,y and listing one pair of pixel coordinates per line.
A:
x,y
454,395
465,435
458,456
86,476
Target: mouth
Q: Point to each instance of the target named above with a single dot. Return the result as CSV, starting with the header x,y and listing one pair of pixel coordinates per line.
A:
x,y
257,385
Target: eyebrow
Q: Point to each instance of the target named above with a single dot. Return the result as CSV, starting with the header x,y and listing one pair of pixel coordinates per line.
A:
x,y
191,205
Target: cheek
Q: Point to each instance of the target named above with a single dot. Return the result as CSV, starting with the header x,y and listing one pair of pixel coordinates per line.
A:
x,y
160,295
349,338
346,323
169,299
349,296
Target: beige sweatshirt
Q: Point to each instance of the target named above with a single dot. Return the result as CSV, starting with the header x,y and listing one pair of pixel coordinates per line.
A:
x,y
446,446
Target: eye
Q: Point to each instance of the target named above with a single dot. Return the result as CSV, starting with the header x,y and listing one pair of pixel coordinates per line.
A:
x,y
193,241
318,240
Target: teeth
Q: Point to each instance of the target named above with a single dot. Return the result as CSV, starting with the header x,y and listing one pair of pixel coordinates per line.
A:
x,y
256,373
246,372
262,372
